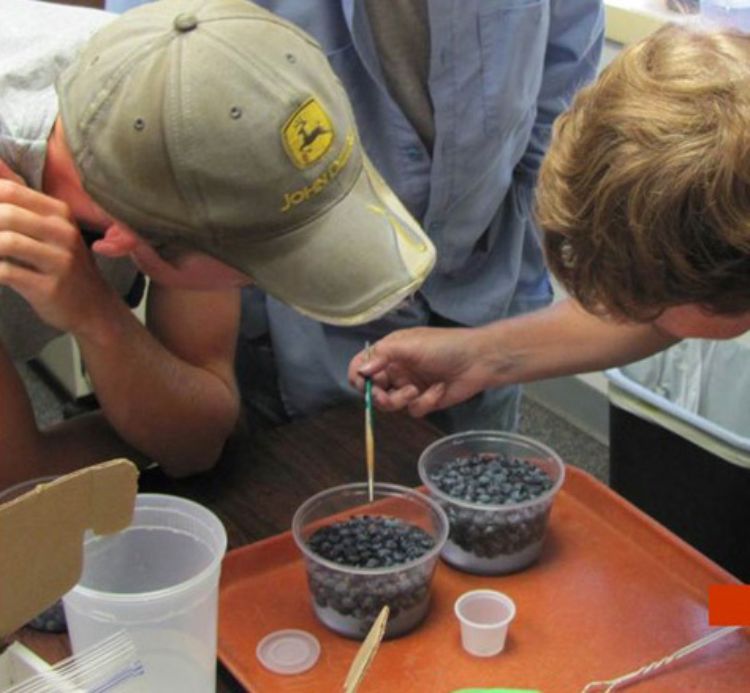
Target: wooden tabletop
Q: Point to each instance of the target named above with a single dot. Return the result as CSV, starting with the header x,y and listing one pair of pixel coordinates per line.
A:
x,y
265,475
637,592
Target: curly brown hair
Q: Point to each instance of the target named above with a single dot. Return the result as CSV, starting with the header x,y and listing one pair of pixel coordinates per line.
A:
x,y
644,195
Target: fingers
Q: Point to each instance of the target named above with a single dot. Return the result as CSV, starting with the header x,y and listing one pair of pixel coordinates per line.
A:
x,y
361,367
356,380
409,397
18,195
35,230
9,174
21,251
394,399
430,400
371,366
398,382
36,241
24,279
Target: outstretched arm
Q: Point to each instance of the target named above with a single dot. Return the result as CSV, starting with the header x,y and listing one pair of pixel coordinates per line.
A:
x,y
425,369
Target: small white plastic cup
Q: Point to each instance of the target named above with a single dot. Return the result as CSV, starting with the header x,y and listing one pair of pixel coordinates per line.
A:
x,y
158,581
484,616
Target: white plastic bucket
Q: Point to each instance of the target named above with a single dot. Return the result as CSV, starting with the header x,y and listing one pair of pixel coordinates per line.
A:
x,y
158,581
698,389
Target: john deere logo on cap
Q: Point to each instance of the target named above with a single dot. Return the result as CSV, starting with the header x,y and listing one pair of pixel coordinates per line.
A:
x,y
308,134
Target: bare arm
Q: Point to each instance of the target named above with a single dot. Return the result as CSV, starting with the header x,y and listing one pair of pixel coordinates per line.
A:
x,y
167,391
562,340
425,369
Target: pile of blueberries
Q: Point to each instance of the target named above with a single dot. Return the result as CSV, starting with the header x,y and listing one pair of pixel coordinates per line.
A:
x,y
494,480
370,541
51,620
491,478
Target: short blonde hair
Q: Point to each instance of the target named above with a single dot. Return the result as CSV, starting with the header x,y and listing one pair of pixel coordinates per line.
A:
x,y
644,195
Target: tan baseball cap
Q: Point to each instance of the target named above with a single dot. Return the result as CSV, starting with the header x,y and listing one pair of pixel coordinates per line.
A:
x,y
217,126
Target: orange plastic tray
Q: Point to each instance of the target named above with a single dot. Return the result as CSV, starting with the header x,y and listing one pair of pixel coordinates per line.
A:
x,y
612,591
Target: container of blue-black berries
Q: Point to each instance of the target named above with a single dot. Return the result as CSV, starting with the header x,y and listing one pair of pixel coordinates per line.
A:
x,y
497,490
361,555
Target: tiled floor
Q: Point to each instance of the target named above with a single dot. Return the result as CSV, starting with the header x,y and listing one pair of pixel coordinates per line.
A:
x,y
573,445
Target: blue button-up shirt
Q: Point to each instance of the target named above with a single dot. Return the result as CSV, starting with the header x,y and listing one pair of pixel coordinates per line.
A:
x,y
500,72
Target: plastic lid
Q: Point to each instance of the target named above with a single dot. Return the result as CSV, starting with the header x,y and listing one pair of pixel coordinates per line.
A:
x,y
288,651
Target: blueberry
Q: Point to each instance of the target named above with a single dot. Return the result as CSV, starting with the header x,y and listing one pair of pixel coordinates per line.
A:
x,y
394,539
370,542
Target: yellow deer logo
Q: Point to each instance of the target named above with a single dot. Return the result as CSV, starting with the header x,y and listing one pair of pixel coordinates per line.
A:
x,y
308,134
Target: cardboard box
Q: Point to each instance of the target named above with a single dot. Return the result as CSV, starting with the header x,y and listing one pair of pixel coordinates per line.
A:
x,y
41,545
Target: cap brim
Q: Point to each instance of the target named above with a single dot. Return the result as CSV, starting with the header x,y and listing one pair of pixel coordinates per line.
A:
x,y
350,265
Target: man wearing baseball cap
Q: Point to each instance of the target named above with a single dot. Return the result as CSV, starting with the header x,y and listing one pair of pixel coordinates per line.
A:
x,y
209,142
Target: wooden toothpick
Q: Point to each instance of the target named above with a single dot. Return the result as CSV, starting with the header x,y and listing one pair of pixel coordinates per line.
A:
x,y
369,438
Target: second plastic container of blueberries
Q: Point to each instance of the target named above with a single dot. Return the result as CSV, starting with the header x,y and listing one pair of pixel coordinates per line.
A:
x,y
493,538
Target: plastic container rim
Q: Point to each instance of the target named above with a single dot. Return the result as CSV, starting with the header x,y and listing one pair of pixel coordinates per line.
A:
x,y
154,595
499,436
638,391
392,489
495,595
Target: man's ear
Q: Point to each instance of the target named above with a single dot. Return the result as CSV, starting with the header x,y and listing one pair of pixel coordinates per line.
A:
x,y
118,241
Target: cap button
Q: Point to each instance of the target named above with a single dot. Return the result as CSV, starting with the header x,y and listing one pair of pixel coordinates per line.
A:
x,y
185,22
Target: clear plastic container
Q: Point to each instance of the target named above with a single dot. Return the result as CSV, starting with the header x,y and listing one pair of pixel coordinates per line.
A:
x,y
348,599
487,538
485,616
158,581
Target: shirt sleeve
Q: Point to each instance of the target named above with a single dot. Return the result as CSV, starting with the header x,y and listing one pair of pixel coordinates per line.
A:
x,y
574,45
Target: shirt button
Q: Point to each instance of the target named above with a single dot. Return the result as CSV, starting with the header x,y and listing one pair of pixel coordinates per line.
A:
x,y
414,153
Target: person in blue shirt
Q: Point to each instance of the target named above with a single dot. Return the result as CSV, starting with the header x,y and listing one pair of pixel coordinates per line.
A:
x,y
455,100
